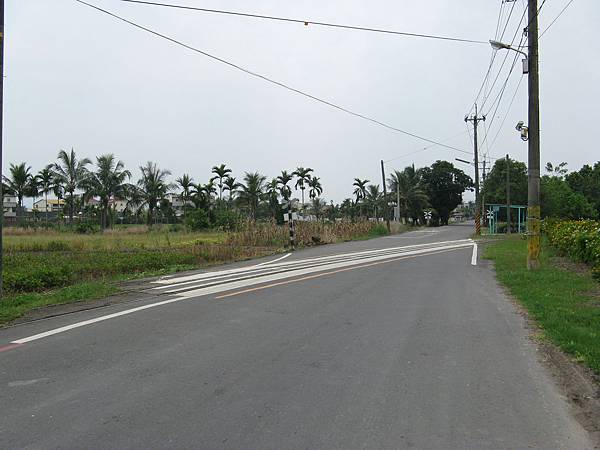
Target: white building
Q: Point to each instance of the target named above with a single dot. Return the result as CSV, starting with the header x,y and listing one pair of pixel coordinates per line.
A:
x,y
10,204
50,205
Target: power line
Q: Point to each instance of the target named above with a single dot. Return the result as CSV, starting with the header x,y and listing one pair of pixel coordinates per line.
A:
x,y
507,112
267,79
557,17
427,148
305,22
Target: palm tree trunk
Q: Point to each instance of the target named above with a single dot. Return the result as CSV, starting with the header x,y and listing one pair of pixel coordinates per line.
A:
x,y
46,199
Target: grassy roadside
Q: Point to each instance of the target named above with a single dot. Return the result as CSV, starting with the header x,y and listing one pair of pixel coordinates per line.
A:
x,y
564,303
50,268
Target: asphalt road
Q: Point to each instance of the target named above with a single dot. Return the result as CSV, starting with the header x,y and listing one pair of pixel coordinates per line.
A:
x,y
398,342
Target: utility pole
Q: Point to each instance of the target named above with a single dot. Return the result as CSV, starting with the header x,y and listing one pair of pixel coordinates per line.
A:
x,y
385,199
1,134
483,193
476,119
533,191
507,194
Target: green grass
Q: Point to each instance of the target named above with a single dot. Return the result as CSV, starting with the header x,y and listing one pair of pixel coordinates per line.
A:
x,y
17,305
561,301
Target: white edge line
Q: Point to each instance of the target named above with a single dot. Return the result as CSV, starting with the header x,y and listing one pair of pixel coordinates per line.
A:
x,y
474,255
274,261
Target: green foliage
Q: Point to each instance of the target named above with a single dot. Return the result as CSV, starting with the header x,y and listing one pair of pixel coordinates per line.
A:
x,y
494,188
444,185
226,219
197,220
86,228
559,200
578,239
378,230
587,182
557,299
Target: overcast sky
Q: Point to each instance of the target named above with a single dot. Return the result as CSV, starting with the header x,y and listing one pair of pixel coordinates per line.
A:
x,y
78,78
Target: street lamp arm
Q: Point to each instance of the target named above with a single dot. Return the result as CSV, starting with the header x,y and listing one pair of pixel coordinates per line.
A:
x,y
497,45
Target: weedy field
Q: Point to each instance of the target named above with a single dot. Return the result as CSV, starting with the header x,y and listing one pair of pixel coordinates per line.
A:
x,y
51,267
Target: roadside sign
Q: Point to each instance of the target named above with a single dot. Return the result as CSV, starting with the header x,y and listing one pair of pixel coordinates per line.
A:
x,y
428,215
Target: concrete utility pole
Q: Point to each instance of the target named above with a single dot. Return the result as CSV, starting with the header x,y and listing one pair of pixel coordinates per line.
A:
x,y
476,119
483,174
385,199
1,133
533,191
507,194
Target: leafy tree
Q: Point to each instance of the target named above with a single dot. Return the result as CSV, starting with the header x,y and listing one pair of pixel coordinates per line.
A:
x,y
348,208
252,190
586,181
221,173
408,185
360,191
318,207
71,174
494,187
19,182
558,200
108,181
303,176
151,188
186,183
445,185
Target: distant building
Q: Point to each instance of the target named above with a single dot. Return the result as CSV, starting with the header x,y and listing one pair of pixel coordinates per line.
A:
x,y
10,204
50,205
118,204
177,204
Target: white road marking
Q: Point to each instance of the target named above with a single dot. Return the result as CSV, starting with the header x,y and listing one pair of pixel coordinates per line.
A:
x,y
236,284
274,261
474,255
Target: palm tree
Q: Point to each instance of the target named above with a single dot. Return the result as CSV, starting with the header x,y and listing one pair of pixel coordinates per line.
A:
x,y
407,185
284,189
231,185
303,175
221,172
315,187
186,183
46,185
272,194
151,188
107,182
360,190
19,181
373,198
317,207
71,174
252,190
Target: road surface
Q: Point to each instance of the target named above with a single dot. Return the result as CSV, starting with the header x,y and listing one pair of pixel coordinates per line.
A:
x,y
398,342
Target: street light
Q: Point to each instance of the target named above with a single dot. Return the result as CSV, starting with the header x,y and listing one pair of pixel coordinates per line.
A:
x,y
497,45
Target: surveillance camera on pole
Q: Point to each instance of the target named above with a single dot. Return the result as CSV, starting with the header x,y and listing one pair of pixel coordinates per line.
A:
x,y
524,130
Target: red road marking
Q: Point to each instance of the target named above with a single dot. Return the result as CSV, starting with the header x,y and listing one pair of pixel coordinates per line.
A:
x,y
9,347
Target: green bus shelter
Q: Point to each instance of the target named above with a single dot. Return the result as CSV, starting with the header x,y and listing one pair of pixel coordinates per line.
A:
x,y
492,211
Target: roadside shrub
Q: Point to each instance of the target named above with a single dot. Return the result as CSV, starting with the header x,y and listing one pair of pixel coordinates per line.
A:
x,y
378,230
86,228
580,239
197,220
226,220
